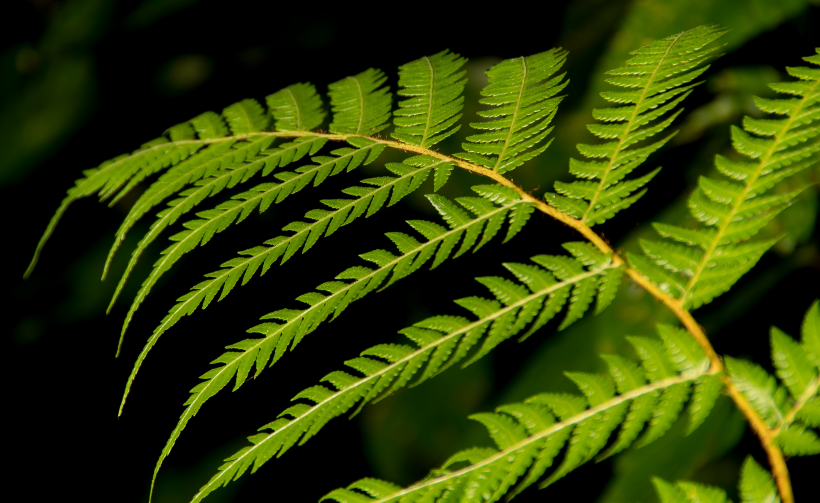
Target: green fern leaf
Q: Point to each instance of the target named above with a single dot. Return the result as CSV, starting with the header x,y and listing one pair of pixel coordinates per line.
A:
x,y
296,108
793,367
246,117
437,343
657,79
667,492
628,377
790,411
688,492
759,388
216,220
687,355
156,155
589,436
238,208
756,484
706,392
523,93
583,292
360,106
809,413
734,210
810,334
278,337
658,366
217,167
411,174
684,351
797,440
527,438
434,87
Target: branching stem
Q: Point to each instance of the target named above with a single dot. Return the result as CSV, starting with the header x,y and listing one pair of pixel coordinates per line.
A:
x,y
766,434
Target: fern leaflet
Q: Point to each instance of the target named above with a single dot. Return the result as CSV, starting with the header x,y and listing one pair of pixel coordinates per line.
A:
x,y
225,214
529,435
524,104
224,171
688,492
360,106
294,108
710,261
111,175
793,409
433,85
756,486
438,343
298,323
658,78
240,206
181,141
412,173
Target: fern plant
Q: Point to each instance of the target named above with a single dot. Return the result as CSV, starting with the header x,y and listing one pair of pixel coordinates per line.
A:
x,y
548,436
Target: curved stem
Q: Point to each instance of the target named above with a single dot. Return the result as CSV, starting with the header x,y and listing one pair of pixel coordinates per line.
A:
x,y
767,435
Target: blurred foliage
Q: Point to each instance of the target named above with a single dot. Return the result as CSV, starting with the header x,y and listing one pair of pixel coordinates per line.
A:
x,y
150,11
50,87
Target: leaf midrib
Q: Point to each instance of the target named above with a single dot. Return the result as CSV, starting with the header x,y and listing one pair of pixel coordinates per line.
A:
x,y
592,411
156,334
622,140
296,106
361,104
430,99
742,198
330,216
424,349
515,113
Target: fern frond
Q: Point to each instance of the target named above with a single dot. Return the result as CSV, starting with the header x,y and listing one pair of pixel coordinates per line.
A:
x,y
436,344
151,157
657,79
688,492
411,174
413,255
199,149
709,261
434,86
296,108
756,484
238,208
794,408
359,105
529,435
523,93
277,337
215,168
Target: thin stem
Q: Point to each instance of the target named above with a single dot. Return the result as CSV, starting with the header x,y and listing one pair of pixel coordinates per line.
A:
x,y
767,436
807,395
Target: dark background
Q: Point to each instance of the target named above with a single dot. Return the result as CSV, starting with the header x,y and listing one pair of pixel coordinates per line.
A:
x,y
85,81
